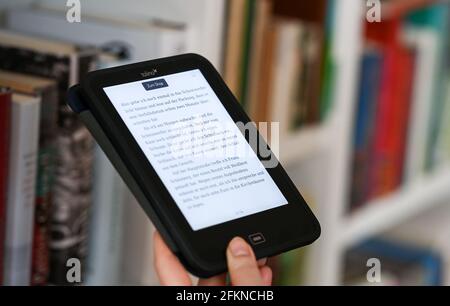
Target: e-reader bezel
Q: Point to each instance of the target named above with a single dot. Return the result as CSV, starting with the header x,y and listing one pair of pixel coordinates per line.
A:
x,y
203,251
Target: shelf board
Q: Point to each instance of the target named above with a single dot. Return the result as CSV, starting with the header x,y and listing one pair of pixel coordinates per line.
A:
x,y
308,141
381,214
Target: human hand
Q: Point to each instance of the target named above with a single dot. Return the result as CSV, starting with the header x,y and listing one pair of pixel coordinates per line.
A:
x,y
243,267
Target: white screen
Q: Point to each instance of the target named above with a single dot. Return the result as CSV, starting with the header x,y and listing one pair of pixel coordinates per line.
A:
x,y
195,147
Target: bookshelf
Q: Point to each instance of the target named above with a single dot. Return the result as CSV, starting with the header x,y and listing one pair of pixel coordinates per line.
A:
x,y
346,46
408,202
341,230
330,141
304,144
204,19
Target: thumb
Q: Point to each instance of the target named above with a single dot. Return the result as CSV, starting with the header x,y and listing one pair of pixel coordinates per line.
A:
x,y
242,264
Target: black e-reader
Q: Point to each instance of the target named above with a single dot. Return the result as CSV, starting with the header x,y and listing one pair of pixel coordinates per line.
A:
x,y
182,143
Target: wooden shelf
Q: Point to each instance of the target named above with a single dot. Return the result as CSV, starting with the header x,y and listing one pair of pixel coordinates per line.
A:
x,y
382,214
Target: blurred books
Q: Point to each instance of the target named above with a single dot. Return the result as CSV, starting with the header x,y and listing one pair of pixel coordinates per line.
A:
x,y
75,206
401,121
275,60
401,137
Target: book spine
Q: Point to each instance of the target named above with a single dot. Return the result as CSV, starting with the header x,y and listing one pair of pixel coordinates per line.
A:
x,y
262,14
21,191
234,40
286,67
380,163
246,53
364,126
45,179
267,67
5,120
392,121
73,184
400,119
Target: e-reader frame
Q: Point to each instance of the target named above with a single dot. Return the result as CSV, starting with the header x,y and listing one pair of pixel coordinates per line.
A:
x,y
202,252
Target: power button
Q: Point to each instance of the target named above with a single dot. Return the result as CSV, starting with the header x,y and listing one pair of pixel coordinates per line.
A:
x,y
256,238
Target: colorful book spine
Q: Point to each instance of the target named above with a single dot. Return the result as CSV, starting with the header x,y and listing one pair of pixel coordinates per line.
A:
x,y
21,189
402,94
391,122
364,128
392,108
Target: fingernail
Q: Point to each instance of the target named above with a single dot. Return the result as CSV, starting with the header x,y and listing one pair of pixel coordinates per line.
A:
x,y
239,247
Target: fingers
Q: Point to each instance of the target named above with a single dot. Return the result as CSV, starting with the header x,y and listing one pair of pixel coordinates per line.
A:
x,y
262,262
169,269
218,280
242,265
266,275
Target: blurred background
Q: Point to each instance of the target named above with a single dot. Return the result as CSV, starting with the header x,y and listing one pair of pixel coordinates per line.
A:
x,y
361,90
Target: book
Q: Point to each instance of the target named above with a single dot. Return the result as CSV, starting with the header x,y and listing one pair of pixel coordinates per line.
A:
x,y
257,62
364,127
5,121
233,44
305,102
262,106
65,63
139,41
312,15
286,63
23,150
246,53
46,90
329,65
392,119
126,42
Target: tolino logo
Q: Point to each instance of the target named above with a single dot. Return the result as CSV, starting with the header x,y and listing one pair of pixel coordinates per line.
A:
x,y
152,72
74,11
